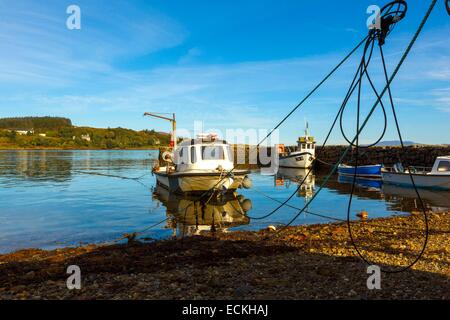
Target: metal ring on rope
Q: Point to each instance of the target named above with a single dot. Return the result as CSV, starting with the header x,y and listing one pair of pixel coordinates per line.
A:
x,y
389,17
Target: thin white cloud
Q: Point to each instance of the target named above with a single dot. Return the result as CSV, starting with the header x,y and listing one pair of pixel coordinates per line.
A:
x,y
38,49
73,72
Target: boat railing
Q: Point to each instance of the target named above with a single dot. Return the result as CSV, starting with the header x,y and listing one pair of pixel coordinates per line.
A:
x,y
421,169
412,169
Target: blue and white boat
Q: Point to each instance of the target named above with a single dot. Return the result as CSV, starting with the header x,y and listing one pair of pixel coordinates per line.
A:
x,y
369,171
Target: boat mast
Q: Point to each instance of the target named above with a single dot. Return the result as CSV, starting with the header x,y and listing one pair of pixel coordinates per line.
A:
x,y
306,129
173,137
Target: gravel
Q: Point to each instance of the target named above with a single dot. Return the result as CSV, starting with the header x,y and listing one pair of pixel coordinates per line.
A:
x,y
304,262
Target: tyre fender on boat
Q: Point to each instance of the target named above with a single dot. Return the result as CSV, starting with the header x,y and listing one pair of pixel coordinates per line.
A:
x,y
247,183
247,205
167,156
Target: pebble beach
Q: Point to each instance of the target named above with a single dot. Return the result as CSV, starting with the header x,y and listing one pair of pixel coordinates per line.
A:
x,y
301,262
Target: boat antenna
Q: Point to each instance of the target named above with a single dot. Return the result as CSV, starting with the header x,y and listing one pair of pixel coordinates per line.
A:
x,y
173,137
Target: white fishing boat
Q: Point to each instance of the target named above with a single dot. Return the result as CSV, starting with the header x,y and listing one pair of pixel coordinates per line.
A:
x,y
437,178
201,165
303,155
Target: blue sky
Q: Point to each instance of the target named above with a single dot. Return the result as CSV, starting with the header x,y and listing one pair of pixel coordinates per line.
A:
x,y
230,64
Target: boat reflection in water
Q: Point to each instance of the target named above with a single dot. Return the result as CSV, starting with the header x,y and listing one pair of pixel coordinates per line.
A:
x,y
286,176
36,166
434,200
374,184
397,198
194,215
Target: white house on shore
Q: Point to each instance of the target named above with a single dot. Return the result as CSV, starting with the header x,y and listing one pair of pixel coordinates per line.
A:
x,y
24,132
85,137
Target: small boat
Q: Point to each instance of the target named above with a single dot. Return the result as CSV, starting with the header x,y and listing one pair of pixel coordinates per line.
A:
x,y
201,165
368,172
303,155
436,178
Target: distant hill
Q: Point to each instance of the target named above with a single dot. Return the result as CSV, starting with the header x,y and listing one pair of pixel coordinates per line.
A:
x,y
59,133
34,123
394,143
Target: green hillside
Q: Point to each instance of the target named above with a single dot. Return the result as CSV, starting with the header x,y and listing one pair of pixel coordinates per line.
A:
x,y
58,133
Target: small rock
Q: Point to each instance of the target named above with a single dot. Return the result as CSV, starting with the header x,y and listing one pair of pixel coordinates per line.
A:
x,y
363,215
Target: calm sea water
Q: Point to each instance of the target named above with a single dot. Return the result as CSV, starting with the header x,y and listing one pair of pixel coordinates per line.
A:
x,y
52,199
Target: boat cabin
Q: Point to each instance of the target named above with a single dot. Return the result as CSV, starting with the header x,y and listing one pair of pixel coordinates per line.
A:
x,y
306,144
205,152
441,166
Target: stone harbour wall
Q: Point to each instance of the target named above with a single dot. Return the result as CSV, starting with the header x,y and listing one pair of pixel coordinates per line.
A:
x,y
417,155
422,156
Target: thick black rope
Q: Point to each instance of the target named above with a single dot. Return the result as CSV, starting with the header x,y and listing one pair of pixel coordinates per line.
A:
x,y
400,63
229,173
370,43
330,217
388,83
353,86
314,90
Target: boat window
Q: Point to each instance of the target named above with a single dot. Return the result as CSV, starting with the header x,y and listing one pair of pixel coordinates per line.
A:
x,y
213,153
444,166
181,156
193,155
229,152
303,146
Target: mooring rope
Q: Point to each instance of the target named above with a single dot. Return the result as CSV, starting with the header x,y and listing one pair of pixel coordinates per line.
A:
x,y
329,217
137,179
359,130
421,203
314,90
356,83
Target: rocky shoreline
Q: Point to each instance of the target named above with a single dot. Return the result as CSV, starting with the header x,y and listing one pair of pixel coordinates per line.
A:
x,y
303,262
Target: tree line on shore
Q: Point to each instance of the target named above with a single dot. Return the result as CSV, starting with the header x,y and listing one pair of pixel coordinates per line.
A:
x,y
54,132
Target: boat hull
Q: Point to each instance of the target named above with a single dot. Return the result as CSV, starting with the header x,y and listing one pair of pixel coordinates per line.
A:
x,y
200,182
371,171
432,181
301,160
